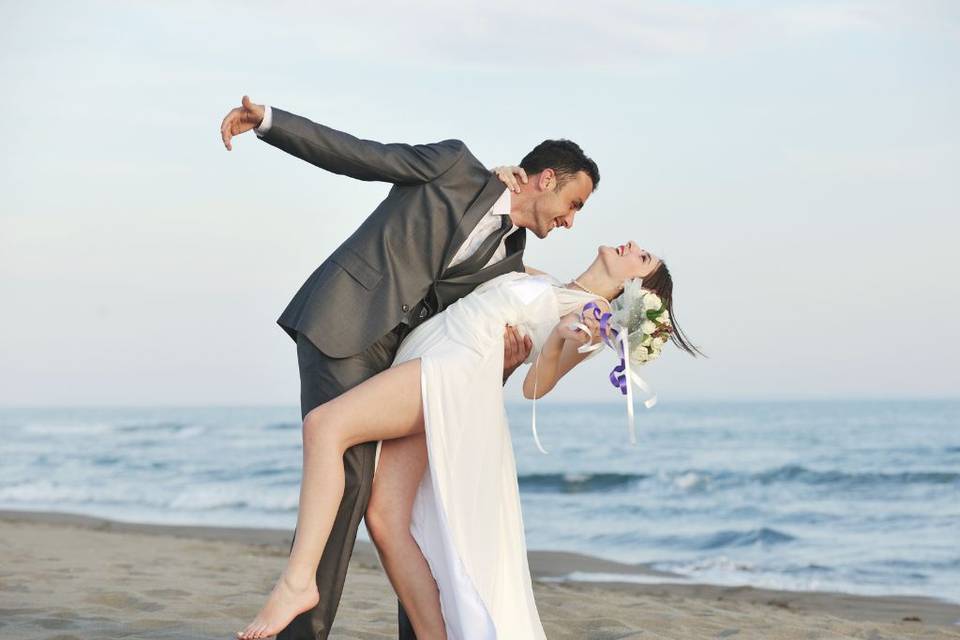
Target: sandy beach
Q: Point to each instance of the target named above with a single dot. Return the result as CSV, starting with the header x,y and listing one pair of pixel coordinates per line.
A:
x,y
68,577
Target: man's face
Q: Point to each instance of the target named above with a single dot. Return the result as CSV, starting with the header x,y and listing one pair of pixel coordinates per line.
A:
x,y
557,208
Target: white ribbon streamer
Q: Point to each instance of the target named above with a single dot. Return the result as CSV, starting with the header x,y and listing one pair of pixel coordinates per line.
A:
x,y
631,377
533,420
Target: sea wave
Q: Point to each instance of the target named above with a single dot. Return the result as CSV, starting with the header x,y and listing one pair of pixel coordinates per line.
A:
x,y
577,482
698,480
799,473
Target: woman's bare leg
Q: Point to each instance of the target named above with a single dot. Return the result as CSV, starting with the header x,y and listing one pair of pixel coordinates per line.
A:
x,y
401,467
383,407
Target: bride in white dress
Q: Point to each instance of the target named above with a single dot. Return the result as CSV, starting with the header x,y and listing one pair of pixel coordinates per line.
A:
x,y
446,474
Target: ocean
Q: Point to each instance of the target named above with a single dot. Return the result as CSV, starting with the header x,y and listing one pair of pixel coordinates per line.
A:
x,y
853,496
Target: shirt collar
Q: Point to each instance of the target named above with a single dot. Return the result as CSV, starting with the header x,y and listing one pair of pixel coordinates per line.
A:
x,y
502,206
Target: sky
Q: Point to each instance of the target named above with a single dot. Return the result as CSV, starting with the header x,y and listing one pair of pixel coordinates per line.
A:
x,y
797,165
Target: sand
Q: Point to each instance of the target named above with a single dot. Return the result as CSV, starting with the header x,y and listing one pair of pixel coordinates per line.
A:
x,y
66,577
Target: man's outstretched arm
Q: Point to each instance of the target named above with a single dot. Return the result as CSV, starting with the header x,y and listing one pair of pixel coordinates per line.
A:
x,y
340,152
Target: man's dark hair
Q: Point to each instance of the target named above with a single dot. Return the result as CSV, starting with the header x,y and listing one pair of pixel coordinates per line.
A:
x,y
565,157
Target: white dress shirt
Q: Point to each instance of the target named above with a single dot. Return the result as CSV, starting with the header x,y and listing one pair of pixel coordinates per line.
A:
x,y
489,223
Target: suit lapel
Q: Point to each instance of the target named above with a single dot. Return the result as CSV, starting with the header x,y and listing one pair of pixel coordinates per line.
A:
x,y
513,261
488,195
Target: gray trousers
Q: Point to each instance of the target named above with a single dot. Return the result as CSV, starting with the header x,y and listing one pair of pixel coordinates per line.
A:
x,y
321,379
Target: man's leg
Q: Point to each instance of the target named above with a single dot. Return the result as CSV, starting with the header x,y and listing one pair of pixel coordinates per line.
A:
x,y
321,379
404,627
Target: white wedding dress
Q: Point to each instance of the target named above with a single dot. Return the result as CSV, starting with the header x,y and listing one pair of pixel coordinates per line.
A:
x,y
466,514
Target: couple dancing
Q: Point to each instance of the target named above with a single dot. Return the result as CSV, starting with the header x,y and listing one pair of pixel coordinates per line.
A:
x,y
405,335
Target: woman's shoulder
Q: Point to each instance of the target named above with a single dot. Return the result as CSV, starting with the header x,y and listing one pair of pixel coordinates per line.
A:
x,y
527,287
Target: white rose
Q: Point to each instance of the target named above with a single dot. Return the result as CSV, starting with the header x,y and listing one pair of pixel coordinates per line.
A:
x,y
640,355
664,317
659,341
646,340
648,326
651,301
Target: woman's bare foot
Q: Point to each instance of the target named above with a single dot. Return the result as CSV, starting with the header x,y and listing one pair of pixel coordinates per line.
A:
x,y
285,602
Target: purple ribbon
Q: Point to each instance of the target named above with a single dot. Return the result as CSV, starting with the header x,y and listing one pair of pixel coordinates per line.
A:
x,y
609,334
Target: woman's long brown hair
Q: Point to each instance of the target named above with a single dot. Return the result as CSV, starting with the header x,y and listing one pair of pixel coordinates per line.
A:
x,y
661,284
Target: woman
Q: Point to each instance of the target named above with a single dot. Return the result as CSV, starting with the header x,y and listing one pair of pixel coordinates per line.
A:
x,y
451,540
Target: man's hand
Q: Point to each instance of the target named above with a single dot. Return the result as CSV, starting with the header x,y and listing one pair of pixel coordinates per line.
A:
x,y
240,120
515,350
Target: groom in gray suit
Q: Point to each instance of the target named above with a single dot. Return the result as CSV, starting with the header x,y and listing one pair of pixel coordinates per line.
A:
x,y
446,226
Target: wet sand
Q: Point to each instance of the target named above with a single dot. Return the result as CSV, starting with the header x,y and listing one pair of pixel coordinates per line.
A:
x,y
66,577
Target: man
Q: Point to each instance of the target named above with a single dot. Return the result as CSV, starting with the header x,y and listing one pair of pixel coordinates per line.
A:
x,y
446,226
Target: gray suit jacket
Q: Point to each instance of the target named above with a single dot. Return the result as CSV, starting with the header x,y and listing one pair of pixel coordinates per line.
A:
x,y
381,275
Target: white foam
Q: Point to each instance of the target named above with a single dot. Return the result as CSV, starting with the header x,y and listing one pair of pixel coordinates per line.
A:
x,y
639,578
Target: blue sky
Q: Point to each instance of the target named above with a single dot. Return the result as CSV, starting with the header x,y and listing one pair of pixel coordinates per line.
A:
x,y
796,163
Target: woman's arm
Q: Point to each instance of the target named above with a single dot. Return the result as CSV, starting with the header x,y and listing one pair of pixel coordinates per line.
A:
x,y
509,175
558,355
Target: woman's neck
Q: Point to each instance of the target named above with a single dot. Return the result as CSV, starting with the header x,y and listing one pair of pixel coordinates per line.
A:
x,y
593,283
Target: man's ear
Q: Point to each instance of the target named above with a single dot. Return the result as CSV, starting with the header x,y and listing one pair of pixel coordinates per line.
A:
x,y
547,180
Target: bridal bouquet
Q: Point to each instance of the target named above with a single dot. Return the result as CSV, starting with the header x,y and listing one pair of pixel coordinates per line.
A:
x,y
643,315
636,328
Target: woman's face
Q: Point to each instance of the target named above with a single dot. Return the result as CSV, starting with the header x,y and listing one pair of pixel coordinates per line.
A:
x,y
628,261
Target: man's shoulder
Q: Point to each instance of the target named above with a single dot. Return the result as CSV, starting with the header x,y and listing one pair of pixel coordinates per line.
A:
x,y
465,164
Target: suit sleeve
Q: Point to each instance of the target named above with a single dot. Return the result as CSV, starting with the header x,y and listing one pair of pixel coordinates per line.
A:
x,y
342,153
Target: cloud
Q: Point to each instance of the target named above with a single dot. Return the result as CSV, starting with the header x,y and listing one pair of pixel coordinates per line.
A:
x,y
490,35
608,33
618,34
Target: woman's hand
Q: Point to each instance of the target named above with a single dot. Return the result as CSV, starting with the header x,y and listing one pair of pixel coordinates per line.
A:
x,y
576,335
508,175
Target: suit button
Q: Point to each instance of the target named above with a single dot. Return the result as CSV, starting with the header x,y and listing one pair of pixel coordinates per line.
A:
x,y
405,308
423,313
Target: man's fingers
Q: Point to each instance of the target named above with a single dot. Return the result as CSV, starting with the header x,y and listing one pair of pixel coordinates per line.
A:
x,y
223,131
226,128
523,175
507,340
245,101
514,341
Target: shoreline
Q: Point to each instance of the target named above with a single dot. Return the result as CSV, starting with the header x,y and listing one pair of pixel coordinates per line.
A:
x,y
40,547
